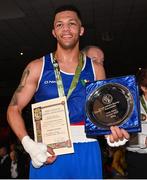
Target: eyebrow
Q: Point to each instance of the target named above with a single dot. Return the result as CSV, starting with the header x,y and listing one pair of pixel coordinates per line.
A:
x,y
71,19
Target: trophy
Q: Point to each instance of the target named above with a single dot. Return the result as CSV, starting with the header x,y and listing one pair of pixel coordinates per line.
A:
x,y
112,102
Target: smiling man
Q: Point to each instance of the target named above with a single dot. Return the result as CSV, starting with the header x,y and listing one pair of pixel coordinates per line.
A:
x,y
85,162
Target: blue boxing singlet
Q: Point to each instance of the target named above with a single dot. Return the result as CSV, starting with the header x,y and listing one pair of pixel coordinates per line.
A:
x,y
47,88
85,162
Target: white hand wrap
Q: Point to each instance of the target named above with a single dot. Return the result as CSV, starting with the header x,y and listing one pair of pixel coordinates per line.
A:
x,y
116,144
37,151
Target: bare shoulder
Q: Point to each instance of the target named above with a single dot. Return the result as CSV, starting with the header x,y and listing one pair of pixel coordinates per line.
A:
x,y
99,71
35,67
28,84
37,63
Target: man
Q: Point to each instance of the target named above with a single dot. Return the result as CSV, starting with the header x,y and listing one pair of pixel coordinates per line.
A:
x,y
136,154
95,53
85,162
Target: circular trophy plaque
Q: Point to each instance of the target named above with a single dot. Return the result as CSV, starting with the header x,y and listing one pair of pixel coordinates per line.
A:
x,y
109,105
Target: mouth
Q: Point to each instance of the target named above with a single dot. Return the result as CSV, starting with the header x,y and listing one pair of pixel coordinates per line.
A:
x,y
66,36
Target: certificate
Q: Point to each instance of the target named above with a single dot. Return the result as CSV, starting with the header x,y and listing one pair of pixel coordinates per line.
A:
x,y
51,125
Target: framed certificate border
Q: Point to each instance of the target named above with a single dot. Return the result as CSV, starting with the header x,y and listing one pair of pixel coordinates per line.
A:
x,y
51,125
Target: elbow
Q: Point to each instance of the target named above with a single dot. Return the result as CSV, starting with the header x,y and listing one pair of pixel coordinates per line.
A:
x,y
11,112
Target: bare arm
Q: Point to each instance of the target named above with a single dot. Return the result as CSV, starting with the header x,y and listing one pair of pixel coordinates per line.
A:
x,y
99,71
22,96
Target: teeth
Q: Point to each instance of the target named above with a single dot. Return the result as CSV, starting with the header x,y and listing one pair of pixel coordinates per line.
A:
x,y
66,36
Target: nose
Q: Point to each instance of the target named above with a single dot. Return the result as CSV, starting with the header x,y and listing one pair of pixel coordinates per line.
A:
x,y
66,27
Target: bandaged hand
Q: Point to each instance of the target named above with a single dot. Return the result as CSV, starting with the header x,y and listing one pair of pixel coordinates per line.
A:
x,y
118,137
37,151
116,143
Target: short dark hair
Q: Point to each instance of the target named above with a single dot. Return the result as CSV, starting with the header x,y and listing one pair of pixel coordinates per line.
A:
x,y
68,8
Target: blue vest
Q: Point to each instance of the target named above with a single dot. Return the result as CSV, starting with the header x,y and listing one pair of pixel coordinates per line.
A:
x,y
47,88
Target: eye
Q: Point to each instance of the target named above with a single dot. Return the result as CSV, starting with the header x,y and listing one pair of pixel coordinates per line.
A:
x,y
58,25
72,23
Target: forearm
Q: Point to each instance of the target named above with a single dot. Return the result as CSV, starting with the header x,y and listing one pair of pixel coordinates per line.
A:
x,y
16,121
37,151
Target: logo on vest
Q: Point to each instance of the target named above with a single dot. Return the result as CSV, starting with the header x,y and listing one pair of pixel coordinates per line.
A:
x,y
49,82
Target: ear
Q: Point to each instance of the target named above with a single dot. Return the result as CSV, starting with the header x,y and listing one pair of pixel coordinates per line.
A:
x,y
53,33
82,31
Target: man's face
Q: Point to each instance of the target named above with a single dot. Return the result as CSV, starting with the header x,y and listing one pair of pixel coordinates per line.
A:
x,y
67,29
2,151
96,55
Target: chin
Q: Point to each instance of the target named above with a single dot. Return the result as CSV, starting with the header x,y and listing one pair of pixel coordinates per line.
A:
x,y
68,46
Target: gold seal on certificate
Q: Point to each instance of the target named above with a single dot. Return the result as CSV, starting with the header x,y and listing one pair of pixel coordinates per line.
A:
x,y
110,104
51,125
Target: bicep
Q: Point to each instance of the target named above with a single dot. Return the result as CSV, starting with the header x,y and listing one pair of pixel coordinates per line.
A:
x,y
25,89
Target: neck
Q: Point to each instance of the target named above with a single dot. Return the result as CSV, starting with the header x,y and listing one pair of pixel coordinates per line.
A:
x,y
67,59
67,55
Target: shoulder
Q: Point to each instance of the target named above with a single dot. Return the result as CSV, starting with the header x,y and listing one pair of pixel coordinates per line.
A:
x,y
99,70
34,68
36,63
